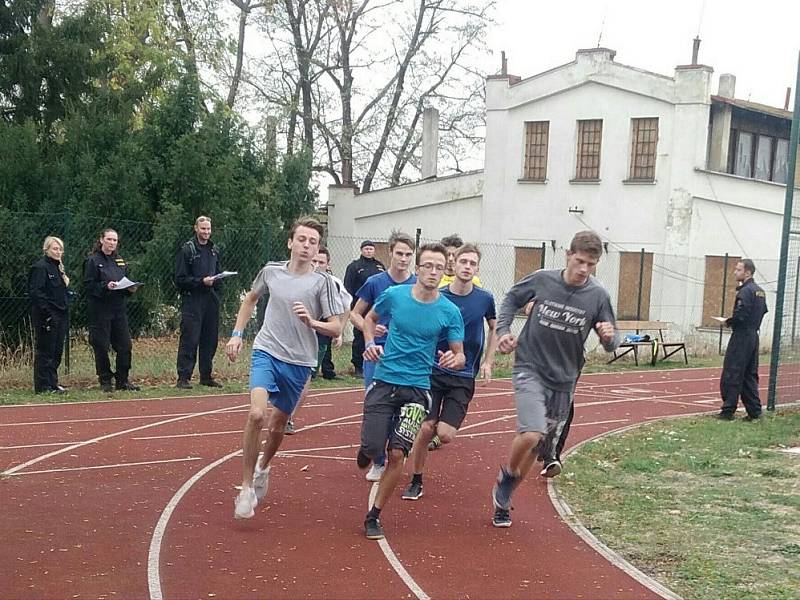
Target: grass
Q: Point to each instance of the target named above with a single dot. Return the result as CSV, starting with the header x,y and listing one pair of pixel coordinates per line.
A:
x,y
709,508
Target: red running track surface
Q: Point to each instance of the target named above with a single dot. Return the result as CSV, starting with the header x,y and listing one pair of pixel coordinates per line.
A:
x,y
134,499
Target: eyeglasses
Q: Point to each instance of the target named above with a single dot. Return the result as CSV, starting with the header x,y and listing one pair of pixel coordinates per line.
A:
x,y
432,267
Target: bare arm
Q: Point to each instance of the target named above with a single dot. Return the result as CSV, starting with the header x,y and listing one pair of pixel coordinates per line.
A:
x,y
373,352
234,345
357,314
331,327
454,358
485,371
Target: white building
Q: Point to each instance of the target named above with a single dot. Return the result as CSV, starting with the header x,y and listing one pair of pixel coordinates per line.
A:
x,y
651,162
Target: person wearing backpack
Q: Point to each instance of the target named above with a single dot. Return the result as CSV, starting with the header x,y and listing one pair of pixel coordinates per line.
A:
x,y
196,265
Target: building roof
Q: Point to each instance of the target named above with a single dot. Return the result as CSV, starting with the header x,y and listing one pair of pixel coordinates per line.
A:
x,y
772,111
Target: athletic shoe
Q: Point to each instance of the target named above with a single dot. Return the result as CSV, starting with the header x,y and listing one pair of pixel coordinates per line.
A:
x,y
373,529
502,490
501,518
245,504
128,387
374,474
358,373
413,492
751,418
211,383
724,416
551,469
288,429
183,384
106,387
61,389
362,460
435,443
261,482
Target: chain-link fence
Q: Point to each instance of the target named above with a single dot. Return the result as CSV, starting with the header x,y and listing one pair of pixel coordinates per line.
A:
x,y
684,291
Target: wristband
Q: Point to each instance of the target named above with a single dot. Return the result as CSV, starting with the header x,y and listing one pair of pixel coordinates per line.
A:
x,y
237,333
369,345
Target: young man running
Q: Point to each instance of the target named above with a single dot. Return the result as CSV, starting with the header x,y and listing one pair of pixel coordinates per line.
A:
x,y
568,304
399,396
401,247
452,390
452,243
302,302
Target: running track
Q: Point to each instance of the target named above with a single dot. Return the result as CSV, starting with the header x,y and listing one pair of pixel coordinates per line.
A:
x,y
135,500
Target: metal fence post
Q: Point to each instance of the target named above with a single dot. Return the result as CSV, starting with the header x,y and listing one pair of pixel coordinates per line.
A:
x,y
541,261
724,292
418,236
794,304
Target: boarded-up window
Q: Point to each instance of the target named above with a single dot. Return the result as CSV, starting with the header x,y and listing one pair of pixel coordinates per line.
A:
x,y
631,270
590,135
527,260
718,272
644,140
536,138
382,253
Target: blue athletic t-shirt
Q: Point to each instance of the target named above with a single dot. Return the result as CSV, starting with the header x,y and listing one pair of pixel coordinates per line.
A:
x,y
474,307
373,287
416,326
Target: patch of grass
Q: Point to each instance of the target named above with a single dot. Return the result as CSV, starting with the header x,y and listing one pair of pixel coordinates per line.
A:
x,y
709,508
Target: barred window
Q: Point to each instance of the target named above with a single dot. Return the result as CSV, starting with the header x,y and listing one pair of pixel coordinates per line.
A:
x,y
590,134
644,140
536,140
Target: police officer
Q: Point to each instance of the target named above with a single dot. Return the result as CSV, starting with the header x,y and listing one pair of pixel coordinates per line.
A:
x,y
355,276
195,266
47,288
108,319
740,367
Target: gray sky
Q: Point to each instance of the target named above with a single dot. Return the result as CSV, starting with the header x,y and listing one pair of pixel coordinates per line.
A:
x,y
756,40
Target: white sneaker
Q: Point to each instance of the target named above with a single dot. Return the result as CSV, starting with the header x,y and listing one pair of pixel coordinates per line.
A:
x,y
261,482
551,469
375,472
245,504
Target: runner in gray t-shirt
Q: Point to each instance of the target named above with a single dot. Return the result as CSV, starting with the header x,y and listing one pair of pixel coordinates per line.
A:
x,y
302,301
549,357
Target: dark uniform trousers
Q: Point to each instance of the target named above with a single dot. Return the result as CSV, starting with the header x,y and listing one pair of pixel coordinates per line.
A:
x,y
199,332
740,373
357,356
49,348
111,331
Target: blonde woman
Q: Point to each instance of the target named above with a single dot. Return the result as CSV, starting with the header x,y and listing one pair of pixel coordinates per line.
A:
x,y
47,286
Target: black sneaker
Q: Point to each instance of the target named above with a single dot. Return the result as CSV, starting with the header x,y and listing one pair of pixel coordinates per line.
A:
x,y
724,416
183,384
413,492
128,387
362,460
373,529
752,417
106,387
501,518
358,373
502,490
551,469
210,383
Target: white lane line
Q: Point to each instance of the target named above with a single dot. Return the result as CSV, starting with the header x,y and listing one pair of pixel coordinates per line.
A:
x,y
71,447
300,450
504,431
101,419
478,424
154,553
115,466
37,445
392,557
474,435
185,435
290,455
494,410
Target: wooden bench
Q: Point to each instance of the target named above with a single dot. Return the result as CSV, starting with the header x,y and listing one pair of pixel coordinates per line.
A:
x,y
650,327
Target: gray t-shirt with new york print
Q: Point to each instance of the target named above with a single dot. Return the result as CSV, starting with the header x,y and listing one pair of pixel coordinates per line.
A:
x,y
552,341
283,335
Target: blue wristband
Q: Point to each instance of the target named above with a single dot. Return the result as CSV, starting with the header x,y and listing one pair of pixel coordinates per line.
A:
x,y
237,333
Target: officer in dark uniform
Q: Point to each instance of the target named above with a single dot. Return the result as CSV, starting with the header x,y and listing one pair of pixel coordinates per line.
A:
x,y
358,271
740,368
47,288
108,318
195,266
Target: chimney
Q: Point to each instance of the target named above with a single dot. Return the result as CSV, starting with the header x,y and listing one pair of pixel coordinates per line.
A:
x,y
430,142
788,97
727,85
503,63
695,50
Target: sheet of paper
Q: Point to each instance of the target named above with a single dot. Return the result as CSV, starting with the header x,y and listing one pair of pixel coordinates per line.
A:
x,y
125,283
722,320
225,274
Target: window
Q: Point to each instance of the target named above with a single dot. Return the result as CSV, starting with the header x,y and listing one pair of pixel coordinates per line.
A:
x,y
590,134
780,170
744,155
763,157
644,140
526,261
717,273
536,138
760,157
628,293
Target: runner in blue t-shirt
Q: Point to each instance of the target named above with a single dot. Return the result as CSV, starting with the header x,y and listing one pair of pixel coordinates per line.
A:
x,y
401,247
452,390
399,393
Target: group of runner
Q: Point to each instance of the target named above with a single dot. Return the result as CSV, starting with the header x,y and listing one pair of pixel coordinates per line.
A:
x,y
426,342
